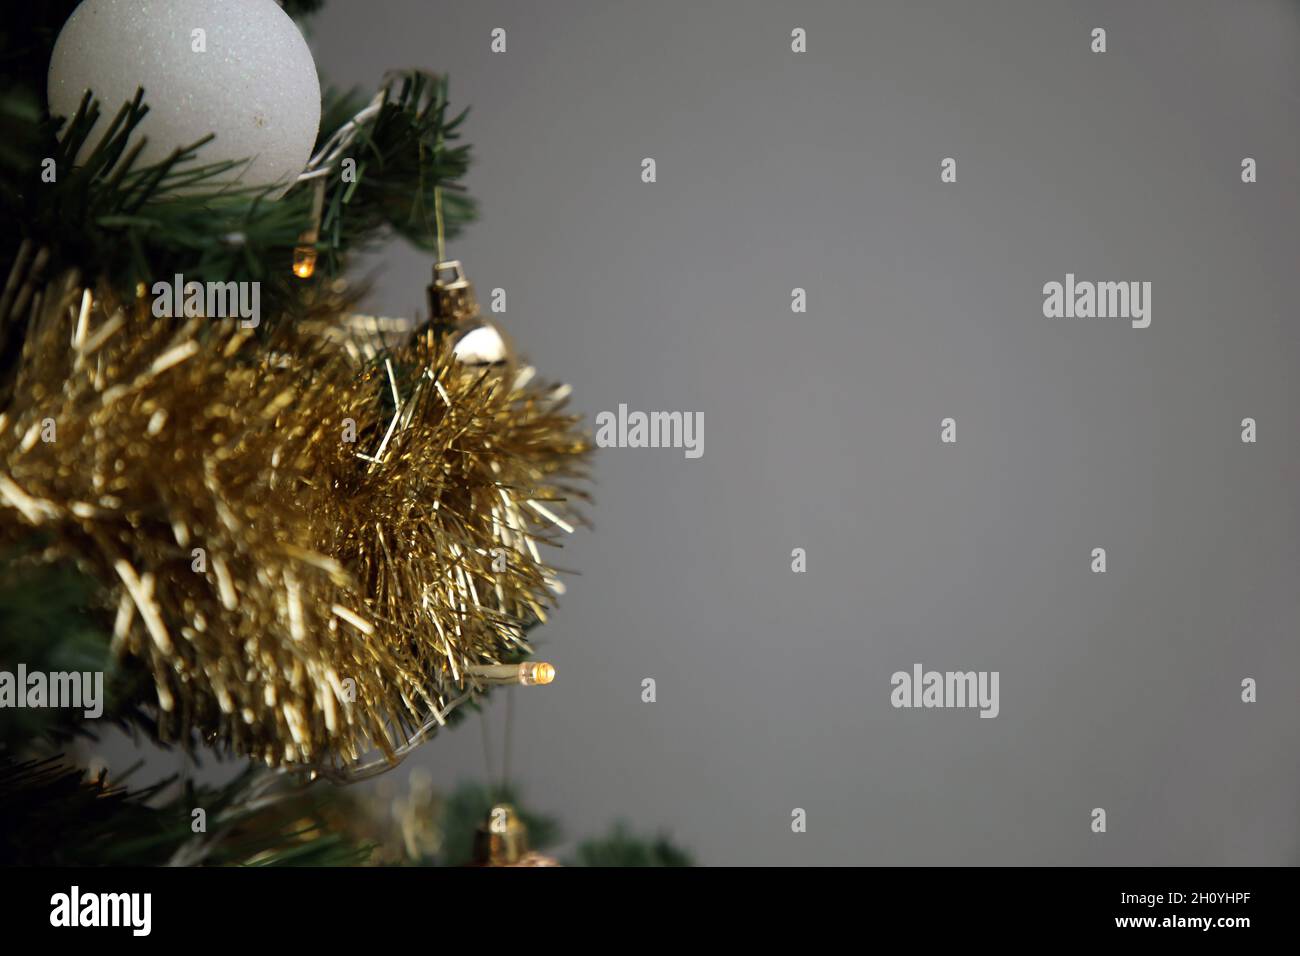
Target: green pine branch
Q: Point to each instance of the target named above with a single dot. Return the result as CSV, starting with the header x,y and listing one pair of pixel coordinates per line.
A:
x,y
53,620
51,814
622,847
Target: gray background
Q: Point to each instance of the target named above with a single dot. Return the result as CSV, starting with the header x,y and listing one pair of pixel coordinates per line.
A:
x,y
821,170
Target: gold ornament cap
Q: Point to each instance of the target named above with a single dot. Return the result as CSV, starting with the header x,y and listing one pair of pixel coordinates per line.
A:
x,y
502,839
451,298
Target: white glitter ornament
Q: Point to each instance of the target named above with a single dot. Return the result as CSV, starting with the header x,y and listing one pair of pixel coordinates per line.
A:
x,y
236,68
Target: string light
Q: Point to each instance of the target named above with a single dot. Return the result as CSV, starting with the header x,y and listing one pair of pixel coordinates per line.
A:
x,y
304,254
304,261
527,674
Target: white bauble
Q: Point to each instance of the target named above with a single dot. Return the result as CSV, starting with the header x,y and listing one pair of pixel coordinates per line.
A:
x,y
253,84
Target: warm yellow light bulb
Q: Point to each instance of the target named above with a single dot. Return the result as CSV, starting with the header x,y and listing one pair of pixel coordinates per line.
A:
x,y
528,673
304,261
536,673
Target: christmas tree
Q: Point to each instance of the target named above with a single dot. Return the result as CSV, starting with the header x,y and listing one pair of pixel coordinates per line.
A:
x,y
238,518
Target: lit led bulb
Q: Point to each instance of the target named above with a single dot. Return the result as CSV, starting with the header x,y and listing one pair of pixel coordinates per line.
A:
x,y
528,673
538,672
304,261
304,254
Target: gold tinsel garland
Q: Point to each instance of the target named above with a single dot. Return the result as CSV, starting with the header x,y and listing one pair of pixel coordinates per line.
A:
x,y
309,554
